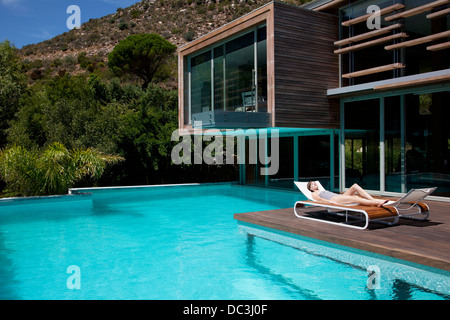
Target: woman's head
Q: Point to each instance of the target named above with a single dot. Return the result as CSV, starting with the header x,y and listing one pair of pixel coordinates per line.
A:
x,y
311,186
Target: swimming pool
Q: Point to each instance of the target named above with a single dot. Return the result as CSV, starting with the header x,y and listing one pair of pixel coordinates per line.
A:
x,y
181,242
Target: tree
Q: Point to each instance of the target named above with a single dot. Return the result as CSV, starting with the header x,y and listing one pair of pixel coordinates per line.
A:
x,y
141,55
77,112
52,171
146,139
12,85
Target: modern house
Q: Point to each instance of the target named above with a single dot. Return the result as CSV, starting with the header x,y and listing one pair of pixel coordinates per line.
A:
x,y
357,91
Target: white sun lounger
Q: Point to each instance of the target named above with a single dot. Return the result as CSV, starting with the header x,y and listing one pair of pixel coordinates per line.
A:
x,y
408,206
386,214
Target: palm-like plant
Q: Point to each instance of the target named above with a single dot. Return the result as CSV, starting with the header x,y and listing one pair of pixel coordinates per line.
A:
x,y
17,169
52,171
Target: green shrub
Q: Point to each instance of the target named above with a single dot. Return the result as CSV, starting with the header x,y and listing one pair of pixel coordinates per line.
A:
x,y
189,35
123,26
53,170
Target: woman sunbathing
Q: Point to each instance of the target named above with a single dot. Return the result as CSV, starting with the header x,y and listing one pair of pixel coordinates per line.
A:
x,y
348,197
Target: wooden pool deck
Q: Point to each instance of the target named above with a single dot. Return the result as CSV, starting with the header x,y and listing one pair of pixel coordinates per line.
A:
x,y
423,242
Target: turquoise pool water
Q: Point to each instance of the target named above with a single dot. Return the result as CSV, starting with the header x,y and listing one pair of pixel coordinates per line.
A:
x,y
181,242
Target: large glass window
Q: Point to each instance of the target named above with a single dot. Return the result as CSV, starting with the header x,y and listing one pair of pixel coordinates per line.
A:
x,y
369,57
419,59
285,175
231,76
394,160
415,139
314,159
239,73
201,83
415,58
428,141
362,144
301,158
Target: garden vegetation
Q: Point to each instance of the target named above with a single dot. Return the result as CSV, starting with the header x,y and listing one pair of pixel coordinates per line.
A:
x,y
92,129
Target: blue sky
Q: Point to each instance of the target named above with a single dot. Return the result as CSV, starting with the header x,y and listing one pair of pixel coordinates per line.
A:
x,y
30,21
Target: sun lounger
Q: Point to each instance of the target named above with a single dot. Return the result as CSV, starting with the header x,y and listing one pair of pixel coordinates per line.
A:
x,y
386,214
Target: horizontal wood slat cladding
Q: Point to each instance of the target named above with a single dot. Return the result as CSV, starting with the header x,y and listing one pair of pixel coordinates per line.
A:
x,y
305,67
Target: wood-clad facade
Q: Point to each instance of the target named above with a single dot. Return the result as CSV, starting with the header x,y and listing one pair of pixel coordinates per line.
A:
x,y
305,67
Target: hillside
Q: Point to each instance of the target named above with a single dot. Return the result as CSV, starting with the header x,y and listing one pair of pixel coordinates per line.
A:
x,y
179,21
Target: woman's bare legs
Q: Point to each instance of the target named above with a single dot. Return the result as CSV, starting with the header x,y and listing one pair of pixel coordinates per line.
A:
x,y
362,198
356,189
347,199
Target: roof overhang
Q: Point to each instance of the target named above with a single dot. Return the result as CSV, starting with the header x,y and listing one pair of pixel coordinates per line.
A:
x,y
256,132
424,82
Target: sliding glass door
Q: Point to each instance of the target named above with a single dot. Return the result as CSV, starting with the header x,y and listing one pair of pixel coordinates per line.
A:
x,y
396,143
362,141
394,157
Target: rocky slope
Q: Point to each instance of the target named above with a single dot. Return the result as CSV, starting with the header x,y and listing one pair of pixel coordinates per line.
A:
x,y
179,21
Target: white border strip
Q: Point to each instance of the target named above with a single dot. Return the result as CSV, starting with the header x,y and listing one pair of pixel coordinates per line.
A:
x,y
86,189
